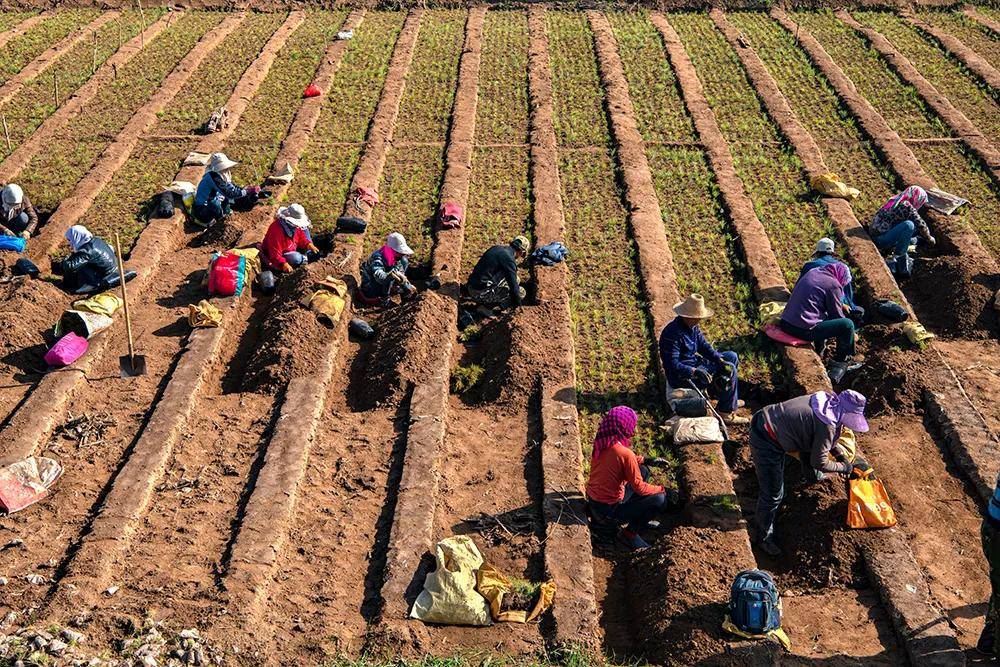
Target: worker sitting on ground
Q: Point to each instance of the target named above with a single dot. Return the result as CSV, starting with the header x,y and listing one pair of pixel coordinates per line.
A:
x,y
493,281
894,226
815,312
217,195
17,216
987,644
824,255
92,266
287,243
618,491
688,357
806,426
383,274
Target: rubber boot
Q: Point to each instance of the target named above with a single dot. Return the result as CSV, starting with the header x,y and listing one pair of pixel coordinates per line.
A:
x,y
987,641
902,267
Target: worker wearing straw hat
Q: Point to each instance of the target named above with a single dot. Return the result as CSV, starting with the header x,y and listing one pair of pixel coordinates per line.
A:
x,y
217,195
688,357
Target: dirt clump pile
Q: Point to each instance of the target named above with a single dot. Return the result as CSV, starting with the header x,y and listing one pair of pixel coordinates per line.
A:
x,y
955,296
293,341
890,376
28,309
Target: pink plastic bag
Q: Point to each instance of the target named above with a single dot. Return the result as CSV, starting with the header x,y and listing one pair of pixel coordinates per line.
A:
x,y
774,332
312,90
67,349
450,215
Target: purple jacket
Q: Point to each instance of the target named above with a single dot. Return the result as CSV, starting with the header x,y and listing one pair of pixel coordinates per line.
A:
x,y
816,297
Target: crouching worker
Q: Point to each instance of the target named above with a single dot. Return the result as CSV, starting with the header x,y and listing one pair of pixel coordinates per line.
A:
x,y
217,195
809,427
287,243
825,255
618,492
493,281
91,267
688,357
987,644
896,223
17,216
383,274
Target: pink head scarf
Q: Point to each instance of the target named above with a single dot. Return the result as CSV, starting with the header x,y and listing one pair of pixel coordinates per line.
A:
x,y
390,255
839,271
618,425
914,194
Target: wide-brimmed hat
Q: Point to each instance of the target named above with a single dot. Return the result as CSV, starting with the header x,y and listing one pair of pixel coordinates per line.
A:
x,y
693,307
824,245
12,194
294,215
847,408
397,242
218,162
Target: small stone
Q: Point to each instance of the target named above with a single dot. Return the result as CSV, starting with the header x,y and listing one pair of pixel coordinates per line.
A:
x,y
149,661
16,542
72,636
4,581
111,590
38,643
56,647
35,579
190,633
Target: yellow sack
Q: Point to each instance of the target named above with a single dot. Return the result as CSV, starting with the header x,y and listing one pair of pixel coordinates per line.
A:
x,y
777,635
252,261
328,301
204,314
770,312
846,447
831,186
868,503
449,595
917,334
101,304
493,585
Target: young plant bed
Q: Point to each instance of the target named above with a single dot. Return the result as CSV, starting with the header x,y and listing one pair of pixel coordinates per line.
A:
x,y
23,49
974,35
52,173
10,20
36,99
414,168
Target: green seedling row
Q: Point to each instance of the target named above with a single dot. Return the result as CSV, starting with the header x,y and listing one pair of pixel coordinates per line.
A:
x,y
327,166
257,139
771,172
950,165
411,181
846,150
612,332
23,49
966,91
122,205
499,206
9,20
214,80
704,249
975,36
53,172
36,101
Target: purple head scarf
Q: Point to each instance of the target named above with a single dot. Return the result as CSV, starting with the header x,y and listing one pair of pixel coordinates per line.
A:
x,y
618,425
839,271
847,408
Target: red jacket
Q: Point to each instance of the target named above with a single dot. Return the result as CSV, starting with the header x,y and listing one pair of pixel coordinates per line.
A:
x,y
276,244
609,473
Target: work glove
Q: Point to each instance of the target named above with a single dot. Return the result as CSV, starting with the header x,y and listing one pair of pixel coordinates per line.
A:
x,y
25,235
286,268
701,376
656,462
861,467
398,277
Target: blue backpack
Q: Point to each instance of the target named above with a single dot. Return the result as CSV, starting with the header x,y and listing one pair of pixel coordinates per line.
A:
x,y
550,254
754,605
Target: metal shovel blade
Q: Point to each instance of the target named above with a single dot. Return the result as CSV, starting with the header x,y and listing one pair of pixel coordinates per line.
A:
x,y
132,366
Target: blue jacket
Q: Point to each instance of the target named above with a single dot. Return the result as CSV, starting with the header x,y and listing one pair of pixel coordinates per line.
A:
x,y
993,509
823,260
680,349
213,187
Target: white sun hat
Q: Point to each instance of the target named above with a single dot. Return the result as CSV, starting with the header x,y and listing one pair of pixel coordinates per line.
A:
x,y
398,243
295,215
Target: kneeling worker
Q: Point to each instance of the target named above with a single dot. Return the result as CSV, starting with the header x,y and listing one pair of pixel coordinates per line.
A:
x,y
384,272
92,266
688,357
809,426
493,281
19,217
217,195
287,243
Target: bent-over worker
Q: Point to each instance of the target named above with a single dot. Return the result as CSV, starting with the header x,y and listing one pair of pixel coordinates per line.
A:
x,y
688,356
493,281
826,254
808,426
990,532
617,490
17,216
815,312
287,243
217,195
895,224
384,272
91,267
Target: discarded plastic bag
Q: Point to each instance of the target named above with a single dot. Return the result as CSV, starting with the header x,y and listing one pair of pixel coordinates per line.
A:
x,y
450,215
697,429
67,349
285,174
770,312
916,333
26,482
830,185
328,301
82,323
846,447
312,90
204,314
493,585
102,304
868,503
774,332
13,243
449,595
196,159
944,202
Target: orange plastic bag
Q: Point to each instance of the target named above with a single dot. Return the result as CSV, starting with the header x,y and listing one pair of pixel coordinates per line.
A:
x,y
868,503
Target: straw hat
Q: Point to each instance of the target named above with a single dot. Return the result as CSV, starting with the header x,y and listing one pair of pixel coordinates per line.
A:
x,y
294,215
218,163
693,307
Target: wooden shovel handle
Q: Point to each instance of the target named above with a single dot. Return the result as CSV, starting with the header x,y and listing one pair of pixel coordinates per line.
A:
x,y
121,277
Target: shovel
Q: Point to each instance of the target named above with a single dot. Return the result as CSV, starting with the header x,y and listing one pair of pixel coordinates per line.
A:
x,y
708,404
131,365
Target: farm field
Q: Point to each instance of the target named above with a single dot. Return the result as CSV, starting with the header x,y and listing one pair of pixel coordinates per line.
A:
x,y
270,491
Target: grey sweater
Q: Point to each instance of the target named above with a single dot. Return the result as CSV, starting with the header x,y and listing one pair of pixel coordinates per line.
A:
x,y
798,429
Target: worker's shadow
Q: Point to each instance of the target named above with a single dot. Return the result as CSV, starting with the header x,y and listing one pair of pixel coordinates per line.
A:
x,y
29,362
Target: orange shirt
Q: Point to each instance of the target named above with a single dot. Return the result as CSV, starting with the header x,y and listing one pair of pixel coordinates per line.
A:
x,y
616,466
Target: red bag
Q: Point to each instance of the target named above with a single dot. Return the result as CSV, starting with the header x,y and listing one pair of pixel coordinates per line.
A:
x,y
67,349
367,195
312,90
227,275
450,215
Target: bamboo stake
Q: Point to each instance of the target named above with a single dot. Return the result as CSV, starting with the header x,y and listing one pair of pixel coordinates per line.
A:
x,y
118,21
93,67
142,34
55,88
6,134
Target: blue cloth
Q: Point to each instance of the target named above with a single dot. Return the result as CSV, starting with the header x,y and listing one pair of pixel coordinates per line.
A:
x,y
994,506
635,511
550,254
823,260
898,239
296,258
213,187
